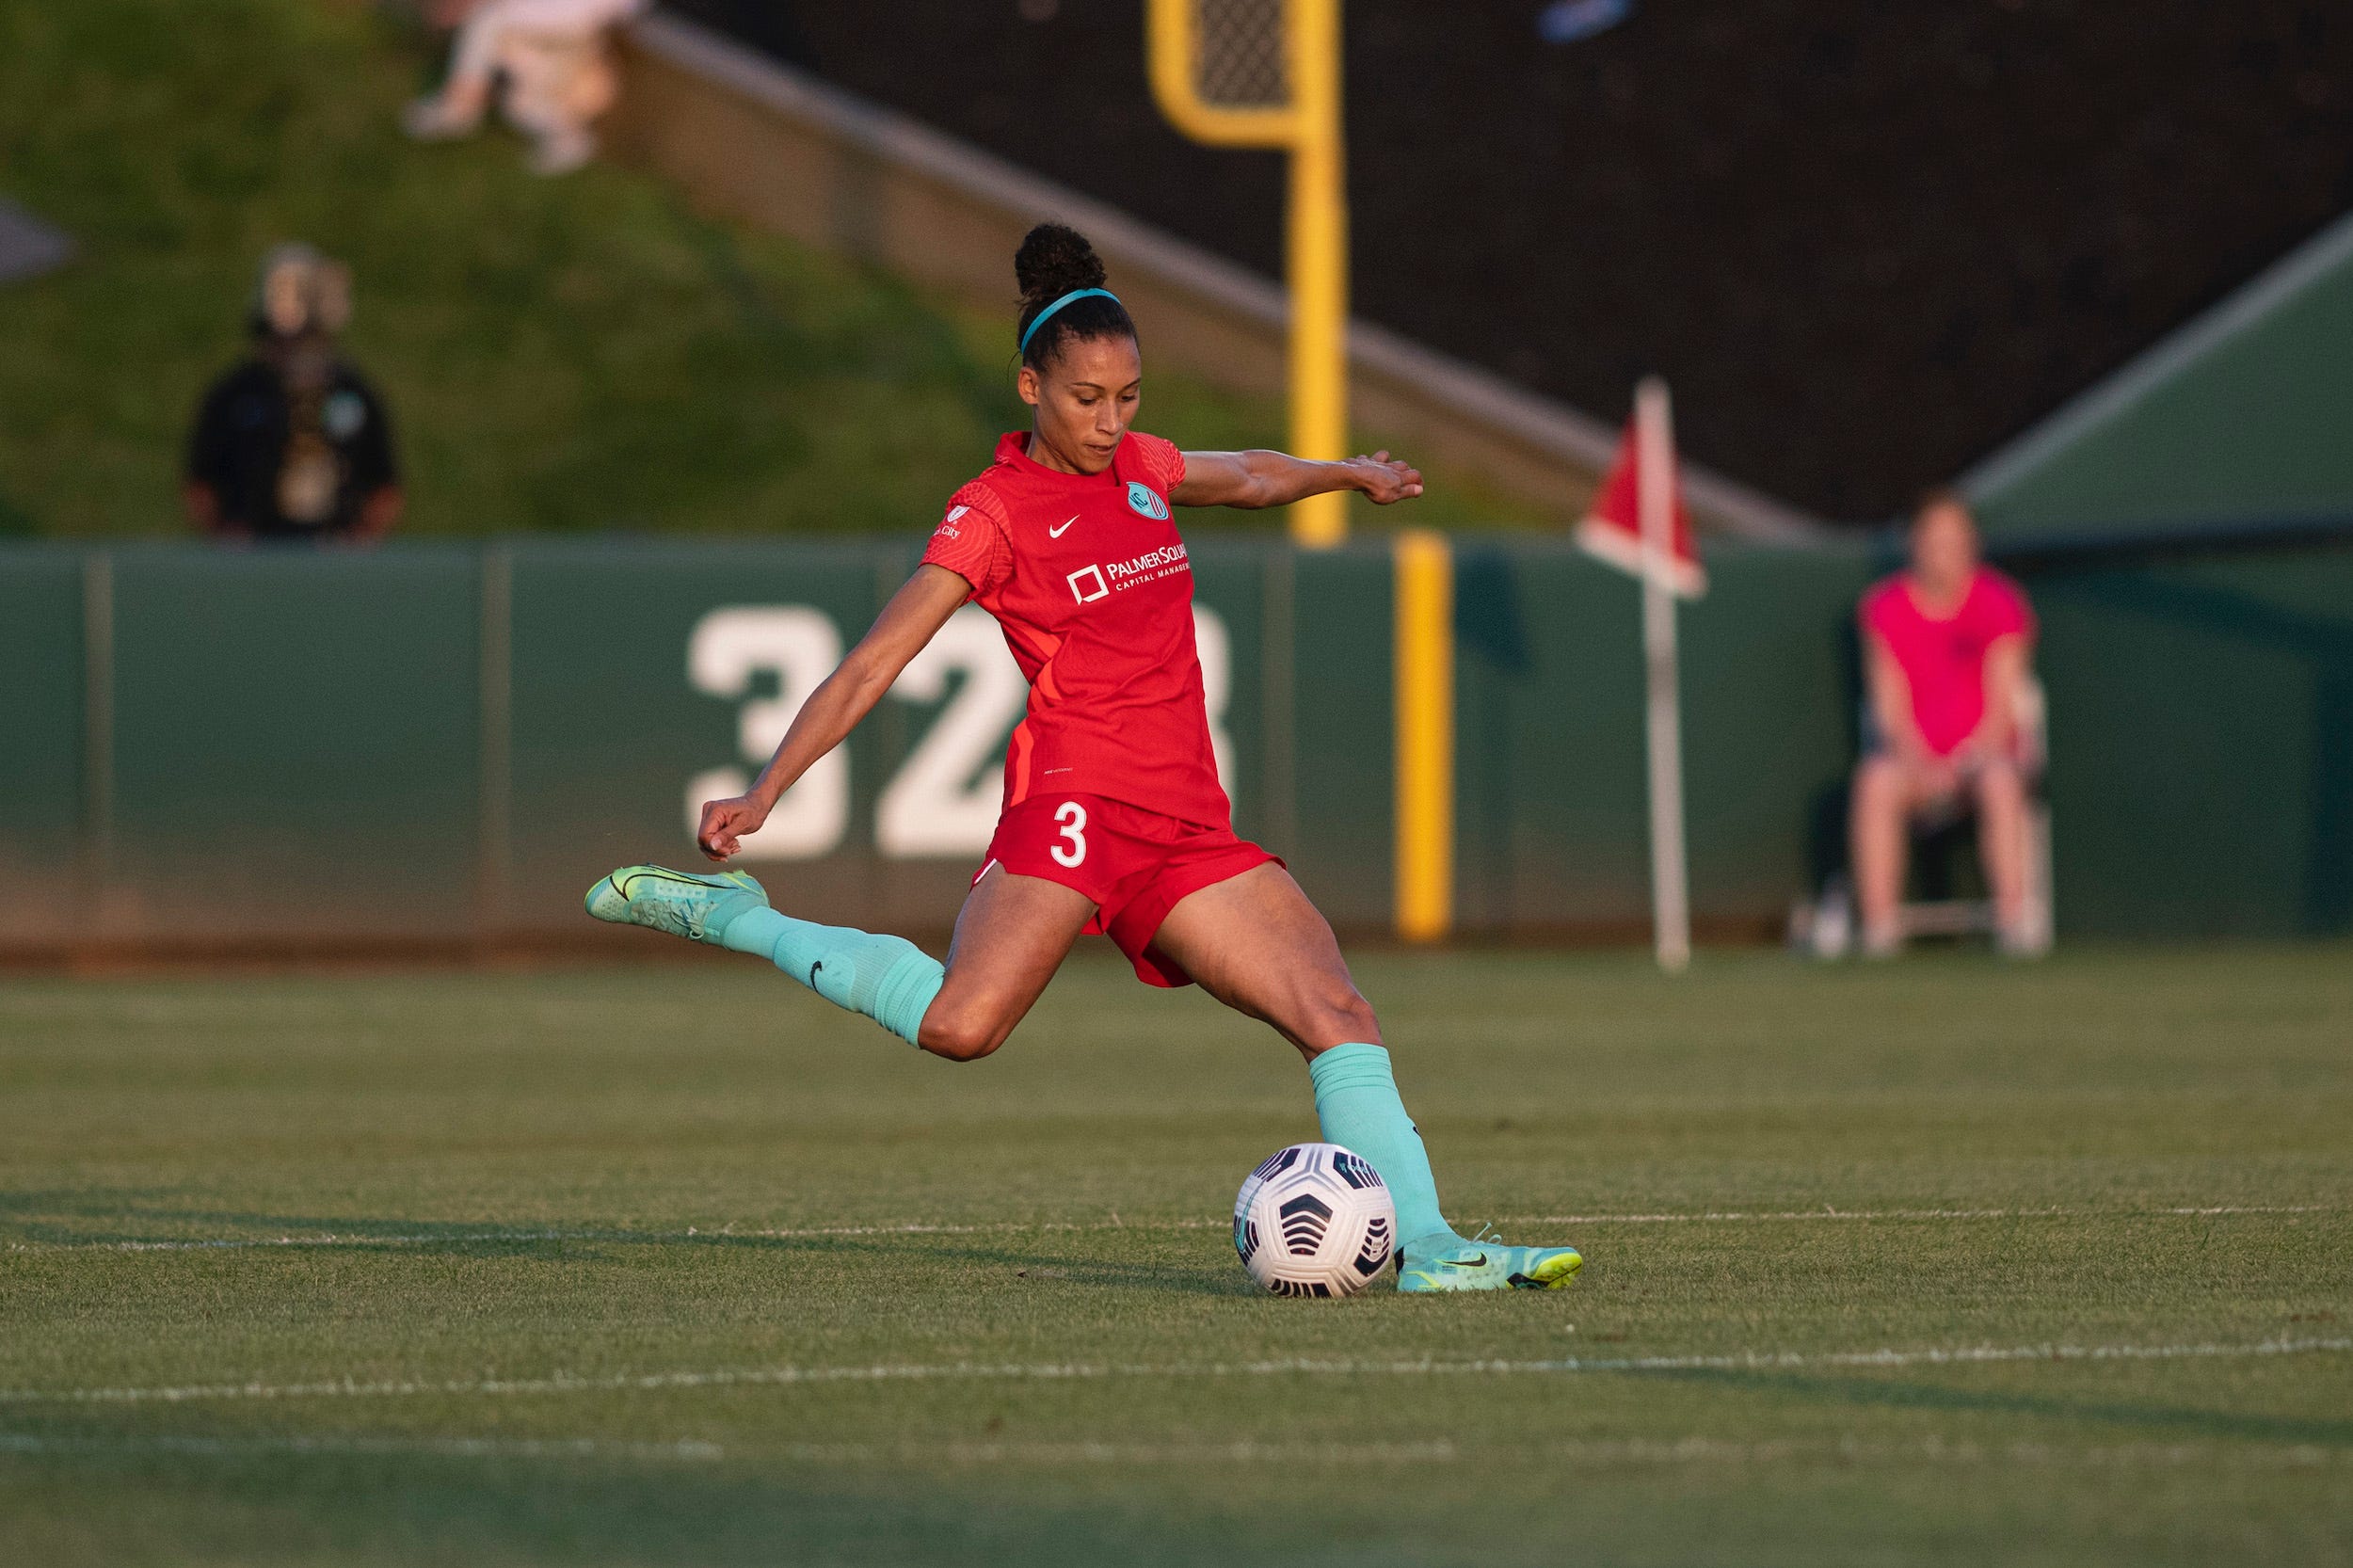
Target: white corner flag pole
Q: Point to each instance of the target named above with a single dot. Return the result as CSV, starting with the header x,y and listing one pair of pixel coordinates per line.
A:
x,y
1670,886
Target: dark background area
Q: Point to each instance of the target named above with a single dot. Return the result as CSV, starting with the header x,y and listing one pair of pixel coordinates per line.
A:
x,y
1866,242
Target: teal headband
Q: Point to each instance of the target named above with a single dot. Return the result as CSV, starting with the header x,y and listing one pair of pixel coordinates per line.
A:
x,y
1030,331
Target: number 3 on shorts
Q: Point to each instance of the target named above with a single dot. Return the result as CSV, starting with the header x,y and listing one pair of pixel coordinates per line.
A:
x,y
1073,817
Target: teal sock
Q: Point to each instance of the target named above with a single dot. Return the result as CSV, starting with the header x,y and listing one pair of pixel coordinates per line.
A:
x,y
1356,1101
888,978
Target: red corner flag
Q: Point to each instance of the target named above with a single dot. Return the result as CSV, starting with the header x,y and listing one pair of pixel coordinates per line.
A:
x,y
1612,530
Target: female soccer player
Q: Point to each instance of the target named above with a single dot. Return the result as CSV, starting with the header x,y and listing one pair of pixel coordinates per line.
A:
x,y
1114,818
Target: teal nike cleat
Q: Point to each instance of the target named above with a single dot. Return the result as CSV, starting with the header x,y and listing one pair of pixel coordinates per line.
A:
x,y
698,908
1481,1265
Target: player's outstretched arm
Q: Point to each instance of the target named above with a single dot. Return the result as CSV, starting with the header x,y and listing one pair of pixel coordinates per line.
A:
x,y
1260,478
913,615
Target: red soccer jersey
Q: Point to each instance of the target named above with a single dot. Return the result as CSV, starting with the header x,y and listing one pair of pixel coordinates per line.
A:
x,y
1088,578
1944,660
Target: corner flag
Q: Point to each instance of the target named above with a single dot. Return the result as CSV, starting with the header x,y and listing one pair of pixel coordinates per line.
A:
x,y
1612,530
1641,526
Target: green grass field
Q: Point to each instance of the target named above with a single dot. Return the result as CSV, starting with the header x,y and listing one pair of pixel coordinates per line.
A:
x,y
1941,1261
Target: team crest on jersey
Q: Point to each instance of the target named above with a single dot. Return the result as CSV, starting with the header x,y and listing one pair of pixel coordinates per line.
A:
x,y
1143,497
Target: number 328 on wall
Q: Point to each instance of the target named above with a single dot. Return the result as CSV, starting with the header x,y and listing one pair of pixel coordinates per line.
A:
x,y
942,801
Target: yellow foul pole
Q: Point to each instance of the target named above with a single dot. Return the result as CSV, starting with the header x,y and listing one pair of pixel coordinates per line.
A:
x,y
1280,89
1317,255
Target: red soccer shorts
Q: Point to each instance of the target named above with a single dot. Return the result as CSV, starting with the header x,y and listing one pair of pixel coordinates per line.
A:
x,y
1134,864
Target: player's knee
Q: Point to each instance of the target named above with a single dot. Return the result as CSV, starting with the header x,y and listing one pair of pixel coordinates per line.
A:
x,y
2001,777
965,1036
1341,1015
1878,782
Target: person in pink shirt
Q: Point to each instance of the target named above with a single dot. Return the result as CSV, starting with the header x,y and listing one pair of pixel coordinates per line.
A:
x,y
1946,644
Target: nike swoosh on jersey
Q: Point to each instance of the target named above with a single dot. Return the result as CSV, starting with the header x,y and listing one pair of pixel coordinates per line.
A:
x,y
1058,533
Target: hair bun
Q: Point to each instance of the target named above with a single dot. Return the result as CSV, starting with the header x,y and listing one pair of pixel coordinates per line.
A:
x,y
1053,260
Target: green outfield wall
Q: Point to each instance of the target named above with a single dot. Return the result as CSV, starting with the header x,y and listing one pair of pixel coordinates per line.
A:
x,y
442,745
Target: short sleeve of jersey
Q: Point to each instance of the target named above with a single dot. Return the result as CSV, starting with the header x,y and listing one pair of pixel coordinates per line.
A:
x,y
2006,613
1161,462
1876,612
972,541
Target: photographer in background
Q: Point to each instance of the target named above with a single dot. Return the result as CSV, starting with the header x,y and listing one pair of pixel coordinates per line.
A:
x,y
293,444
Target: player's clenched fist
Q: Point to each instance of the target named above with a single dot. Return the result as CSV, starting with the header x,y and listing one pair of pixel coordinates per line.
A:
x,y
726,821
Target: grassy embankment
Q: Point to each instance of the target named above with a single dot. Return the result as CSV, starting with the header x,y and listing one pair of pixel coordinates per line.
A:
x,y
575,355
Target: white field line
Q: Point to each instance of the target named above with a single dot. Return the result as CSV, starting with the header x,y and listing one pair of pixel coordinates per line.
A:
x,y
1662,1451
1024,1228
2300,1456
688,1448
456,1448
733,1377
692,1233
1826,1212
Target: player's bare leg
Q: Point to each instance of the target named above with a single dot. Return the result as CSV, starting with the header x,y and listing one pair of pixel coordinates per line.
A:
x,y
1011,935
2000,791
1882,803
1257,944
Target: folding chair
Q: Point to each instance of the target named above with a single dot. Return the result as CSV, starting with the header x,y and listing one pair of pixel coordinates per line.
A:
x,y
1825,925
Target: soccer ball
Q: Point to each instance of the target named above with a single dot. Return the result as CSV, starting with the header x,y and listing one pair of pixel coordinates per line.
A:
x,y
1314,1221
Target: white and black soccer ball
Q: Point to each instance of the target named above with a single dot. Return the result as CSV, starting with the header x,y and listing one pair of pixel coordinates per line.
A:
x,y
1315,1220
